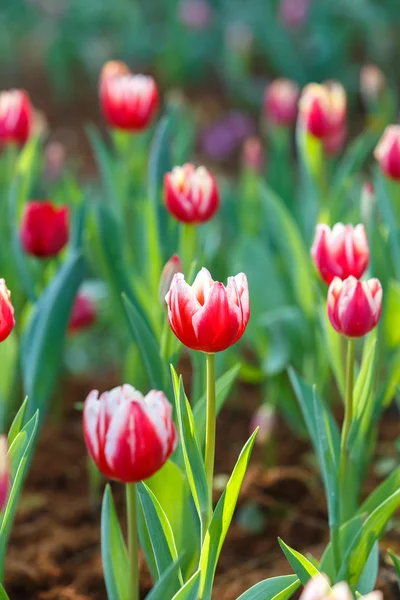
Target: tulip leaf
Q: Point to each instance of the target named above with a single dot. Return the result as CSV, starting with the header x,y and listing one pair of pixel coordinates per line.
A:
x,y
334,343
303,568
113,551
346,532
396,562
275,588
17,423
369,575
221,520
3,594
352,161
389,219
104,164
190,591
388,487
165,587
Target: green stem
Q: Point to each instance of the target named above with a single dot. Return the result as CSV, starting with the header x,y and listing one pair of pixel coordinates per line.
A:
x,y
133,549
188,246
335,540
211,423
348,410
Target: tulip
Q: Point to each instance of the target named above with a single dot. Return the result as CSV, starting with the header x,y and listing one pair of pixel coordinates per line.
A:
x,y
44,229
191,195
128,435
253,154
127,101
323,109
4,472
318,589
281,102
294,13
7,320
387,152
15,117
83,315
372,83
368,201
171,268
195,14
341,251
354,307
208,316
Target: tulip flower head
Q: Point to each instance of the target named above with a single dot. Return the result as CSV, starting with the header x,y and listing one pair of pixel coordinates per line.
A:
x,y
318,588
207,316
15,117
372,83
44,229
387,152
171,268
341,251
7,320
83,315
4,472
323,109
128,435
281,102
191,195
354,307
127,101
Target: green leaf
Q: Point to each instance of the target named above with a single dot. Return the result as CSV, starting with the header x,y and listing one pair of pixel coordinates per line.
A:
x,y
190,591
43,339
353,160
165,587
3,594
396,562
221,520
113,551
347,532
17,423
104,162
389,219
388,487
303,568
392,314
160,531
335,351
276,588
366,583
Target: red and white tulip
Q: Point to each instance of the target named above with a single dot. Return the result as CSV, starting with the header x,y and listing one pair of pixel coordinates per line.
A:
x,y
191,194
7,321
387,152
15,117
281,102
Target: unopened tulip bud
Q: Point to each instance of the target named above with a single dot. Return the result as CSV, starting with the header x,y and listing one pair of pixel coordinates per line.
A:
x,y
128,435
15,117
387,152
44,229
7,320
323,109
265,419
171,268
372,83
354,307
84,313
191,195
253,154
281,102
207,316
4,472
341,251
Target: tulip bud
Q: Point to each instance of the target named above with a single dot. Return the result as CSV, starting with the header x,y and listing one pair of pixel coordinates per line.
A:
x,y
129,436
264,418
293,13
83,315
372,83
171,268
127,101
4,472
208,316
323,109
340,252
7,320
44,229
281,102
387,152
191,195
354,307
15,117
253,154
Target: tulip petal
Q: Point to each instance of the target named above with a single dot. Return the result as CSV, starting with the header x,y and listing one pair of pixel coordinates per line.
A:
x,y
182,306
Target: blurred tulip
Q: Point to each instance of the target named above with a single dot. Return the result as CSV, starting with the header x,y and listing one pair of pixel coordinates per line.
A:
x,y
113,68
372,83
323,109
128,435
293,13
318,588
336,140
368,201
265,419
387,152
195,14
54,160
253,154
281,102
171,268
354,307
44,229
7,320
127,101
208,316
15,117
4,472
341,251
191,195
84,313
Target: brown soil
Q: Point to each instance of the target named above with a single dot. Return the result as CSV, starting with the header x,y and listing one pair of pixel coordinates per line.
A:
x,y
54,551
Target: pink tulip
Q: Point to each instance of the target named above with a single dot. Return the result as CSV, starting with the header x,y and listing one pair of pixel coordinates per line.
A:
x,y
7,320
387,152
281,102
191,195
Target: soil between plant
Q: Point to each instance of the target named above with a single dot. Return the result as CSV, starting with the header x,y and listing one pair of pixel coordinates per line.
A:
x,y
54,551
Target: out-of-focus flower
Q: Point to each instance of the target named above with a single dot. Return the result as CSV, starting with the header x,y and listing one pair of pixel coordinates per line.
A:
x,y
84,313
281,102
354,307
265,419
171,268
191,194
44,228
128,435
40,124
368,200
322,112
318,588
221,139
7,320
387,152
294,13
372,83
127,101
195,14
341,251
15,117
54,160
253,156
4,472
208,316
239,37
